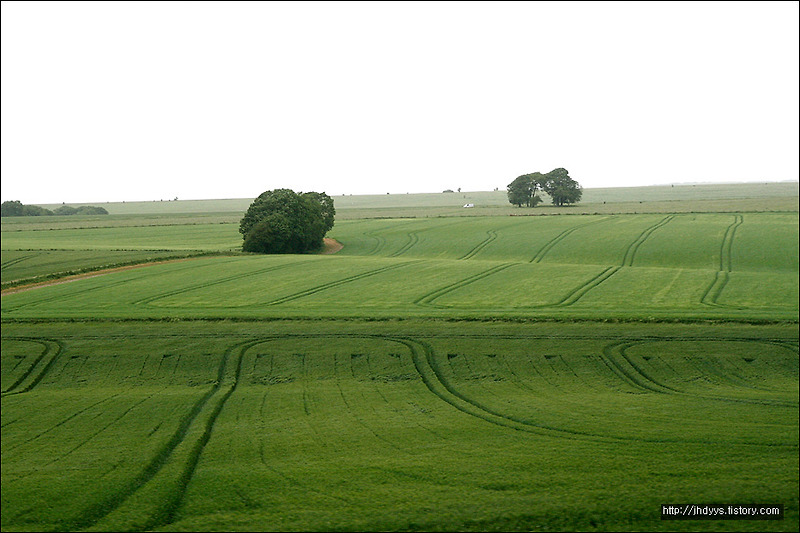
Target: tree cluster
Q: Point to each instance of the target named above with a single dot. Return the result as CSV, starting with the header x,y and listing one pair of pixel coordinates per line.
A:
x,y
15,208
557,184
282,221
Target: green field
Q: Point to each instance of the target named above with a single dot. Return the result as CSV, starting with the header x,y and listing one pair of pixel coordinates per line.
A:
x,y
681,266
454,372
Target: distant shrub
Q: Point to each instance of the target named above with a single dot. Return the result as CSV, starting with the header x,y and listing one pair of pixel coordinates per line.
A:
x,y
65,210
15,208
91,210
82,210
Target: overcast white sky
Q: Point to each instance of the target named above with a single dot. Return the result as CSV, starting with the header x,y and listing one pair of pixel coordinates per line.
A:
x,y
111,101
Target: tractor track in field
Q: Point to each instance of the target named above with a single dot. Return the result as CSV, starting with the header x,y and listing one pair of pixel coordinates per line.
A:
x,y
440,385
429,298
630,253
336,283
544,250
17,260
94,513
227,279
570,298
352,412
491,236
52,349
428,366
628,369
714,290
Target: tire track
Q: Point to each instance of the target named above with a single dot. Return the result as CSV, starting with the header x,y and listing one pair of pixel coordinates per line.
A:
x,y
630,253
182,290
628,369
398,412
433,377
714,290
439,384
428,299
379,244
581,291
627,260
96,512
544,250
52,350
352,412
413,238
336,283
12,262
492,235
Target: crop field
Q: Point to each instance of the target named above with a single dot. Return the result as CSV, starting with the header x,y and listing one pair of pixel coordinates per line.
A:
x,y
682,266
304,426
440,373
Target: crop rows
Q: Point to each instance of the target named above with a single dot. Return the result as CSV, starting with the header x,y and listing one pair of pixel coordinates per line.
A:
x,y
177,415
117,415
563,276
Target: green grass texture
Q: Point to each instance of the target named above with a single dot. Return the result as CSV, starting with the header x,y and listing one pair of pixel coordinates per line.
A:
x,y
365,426
647,266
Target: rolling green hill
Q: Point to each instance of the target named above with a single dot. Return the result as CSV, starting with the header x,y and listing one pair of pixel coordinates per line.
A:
x,y
450,369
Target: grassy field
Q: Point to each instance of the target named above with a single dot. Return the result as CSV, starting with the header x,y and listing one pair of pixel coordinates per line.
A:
x,y
670,267
449,369
393,426
769,196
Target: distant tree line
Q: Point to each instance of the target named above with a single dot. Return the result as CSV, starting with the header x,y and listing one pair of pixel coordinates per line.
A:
x,y
15,208
562,189
282,221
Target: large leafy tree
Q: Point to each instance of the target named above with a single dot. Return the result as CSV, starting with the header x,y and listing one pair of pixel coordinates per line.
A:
x,y
522,191
561,188
282,221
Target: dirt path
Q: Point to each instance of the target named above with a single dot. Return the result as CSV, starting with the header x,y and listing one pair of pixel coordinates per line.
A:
x,y
67,279
330,246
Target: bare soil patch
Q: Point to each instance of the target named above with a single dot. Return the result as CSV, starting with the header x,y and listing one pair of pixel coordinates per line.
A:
x,y
331,246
